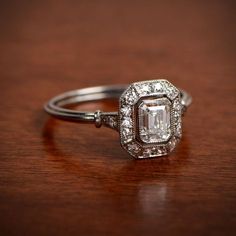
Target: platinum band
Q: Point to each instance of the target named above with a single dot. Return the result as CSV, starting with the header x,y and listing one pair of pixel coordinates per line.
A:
x,y
56,106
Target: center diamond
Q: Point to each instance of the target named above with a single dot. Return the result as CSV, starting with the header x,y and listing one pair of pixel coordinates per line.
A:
x,y
154,120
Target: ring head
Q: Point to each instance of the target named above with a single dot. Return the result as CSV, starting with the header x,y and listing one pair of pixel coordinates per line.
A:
x,y
150,118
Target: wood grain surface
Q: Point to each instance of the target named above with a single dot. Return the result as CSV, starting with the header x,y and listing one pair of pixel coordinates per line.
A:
x,y
61,178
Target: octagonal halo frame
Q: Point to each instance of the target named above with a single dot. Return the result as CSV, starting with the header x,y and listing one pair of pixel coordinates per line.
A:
x,y
128,118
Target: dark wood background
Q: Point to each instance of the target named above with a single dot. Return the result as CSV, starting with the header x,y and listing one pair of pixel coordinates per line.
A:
x,y
59,178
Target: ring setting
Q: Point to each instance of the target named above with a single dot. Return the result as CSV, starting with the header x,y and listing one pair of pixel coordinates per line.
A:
x,y
149,119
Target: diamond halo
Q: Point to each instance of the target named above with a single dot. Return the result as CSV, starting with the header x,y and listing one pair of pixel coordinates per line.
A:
x,y
150,118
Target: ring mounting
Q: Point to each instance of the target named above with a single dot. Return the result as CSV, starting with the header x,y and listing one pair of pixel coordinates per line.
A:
x,y
149,119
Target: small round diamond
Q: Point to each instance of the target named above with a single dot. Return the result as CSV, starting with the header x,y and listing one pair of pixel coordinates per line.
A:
x,y
130,97
126,133
133,148
127,122
162,150
172,143
176,113
177,105
159,150
178,132
157,87
146,87
126,111
147,153
143,89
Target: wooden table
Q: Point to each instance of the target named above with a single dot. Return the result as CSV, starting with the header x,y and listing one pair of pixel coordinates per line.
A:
x,y
59,178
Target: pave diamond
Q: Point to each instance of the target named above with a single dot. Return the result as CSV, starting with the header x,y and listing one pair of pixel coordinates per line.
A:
x,y
154,120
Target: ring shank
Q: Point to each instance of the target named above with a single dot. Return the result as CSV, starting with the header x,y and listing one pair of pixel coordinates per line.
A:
x,y
56,106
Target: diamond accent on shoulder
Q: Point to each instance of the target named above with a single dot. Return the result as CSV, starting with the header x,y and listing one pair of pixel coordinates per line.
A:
x,y
110,121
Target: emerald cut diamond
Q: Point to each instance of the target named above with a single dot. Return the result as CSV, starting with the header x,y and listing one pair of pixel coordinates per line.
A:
x,y
154,120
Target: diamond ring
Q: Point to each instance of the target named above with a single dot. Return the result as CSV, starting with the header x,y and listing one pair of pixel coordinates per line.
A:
x,y
149,119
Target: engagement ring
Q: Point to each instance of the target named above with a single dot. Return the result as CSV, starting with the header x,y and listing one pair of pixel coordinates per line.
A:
x,y
149,119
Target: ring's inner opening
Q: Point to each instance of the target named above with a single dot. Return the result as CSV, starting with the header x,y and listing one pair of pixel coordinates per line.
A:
x,y
90,99
107,104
